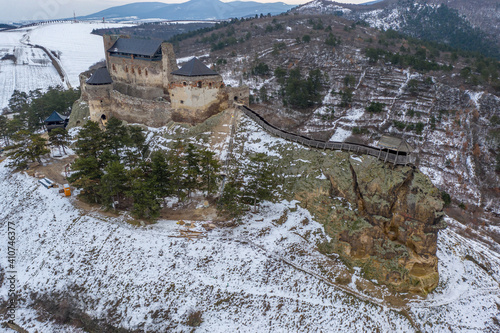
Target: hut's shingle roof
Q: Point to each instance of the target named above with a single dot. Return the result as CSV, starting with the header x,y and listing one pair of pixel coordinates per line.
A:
x,y
393,143
55,117
101,76
194,67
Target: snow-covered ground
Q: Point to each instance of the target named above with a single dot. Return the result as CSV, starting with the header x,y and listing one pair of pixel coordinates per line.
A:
x,y
264,275
31,70
77,48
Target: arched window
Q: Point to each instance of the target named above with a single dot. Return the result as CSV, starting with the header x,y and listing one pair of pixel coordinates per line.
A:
x,y
139,71
114,68
199,84
146,72
184,83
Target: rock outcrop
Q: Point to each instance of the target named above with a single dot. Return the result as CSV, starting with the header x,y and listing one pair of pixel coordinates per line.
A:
x,y
381,218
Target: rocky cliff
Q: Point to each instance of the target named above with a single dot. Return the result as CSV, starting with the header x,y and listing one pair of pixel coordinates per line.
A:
x,y
381,218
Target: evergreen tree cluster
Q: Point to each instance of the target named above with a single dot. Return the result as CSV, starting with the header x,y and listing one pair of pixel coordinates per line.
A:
x,y
417,61
116,169
300,92
34,107
28,147
247,187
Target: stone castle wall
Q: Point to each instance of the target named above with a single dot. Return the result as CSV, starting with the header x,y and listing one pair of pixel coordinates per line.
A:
x,y
197,92
146,92
139,110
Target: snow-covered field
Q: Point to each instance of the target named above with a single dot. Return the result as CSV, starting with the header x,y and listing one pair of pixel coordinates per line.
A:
x,y
31,70
76,47
265,275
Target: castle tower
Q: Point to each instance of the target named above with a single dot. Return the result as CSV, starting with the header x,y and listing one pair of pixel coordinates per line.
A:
x,y
98,89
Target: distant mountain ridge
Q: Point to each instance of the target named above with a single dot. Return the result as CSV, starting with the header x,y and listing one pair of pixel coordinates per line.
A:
x,y
191,10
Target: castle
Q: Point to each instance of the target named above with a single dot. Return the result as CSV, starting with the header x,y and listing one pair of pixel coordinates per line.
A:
x,y
142,83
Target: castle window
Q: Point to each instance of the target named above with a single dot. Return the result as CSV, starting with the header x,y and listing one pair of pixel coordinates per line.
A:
x,y
184,84
199,84
132,69
114,67
139,71
103,117
126,69
210,85
146,72
182,102
235,98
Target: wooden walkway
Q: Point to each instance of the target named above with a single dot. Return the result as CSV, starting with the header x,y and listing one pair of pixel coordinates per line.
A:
x,y
381,154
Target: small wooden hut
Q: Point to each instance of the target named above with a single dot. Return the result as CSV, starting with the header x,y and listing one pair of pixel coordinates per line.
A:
x,y
55,120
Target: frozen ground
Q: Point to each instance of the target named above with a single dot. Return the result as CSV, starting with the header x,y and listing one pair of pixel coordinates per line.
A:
x,y
76,47
31,69
265,275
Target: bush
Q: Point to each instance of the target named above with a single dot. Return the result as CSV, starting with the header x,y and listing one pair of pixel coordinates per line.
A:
x,y
419,127
331,40
261,69
446,198
194,318
375,107
306,38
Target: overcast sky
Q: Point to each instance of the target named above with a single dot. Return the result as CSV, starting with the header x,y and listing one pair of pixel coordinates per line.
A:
x,y
16,10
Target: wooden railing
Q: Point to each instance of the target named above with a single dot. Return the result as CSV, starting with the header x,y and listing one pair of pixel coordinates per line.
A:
x,y
381,154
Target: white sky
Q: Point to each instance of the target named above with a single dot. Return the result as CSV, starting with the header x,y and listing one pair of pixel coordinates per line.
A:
x,y
16,10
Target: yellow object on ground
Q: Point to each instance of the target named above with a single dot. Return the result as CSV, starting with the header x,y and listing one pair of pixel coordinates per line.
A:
x,y
67,190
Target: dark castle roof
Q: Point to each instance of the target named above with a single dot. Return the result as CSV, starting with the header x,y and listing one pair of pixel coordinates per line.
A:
x,y
142,47
100,77
194,67
55,117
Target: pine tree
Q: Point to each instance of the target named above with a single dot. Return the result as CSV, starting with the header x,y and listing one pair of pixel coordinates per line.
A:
x,y
29,148
138,142
209,171
87,176
261,179
90,140
161,174
88,167
18,101
113,184
4,130
231,201
59,138
116,136
193,171
178,167
146,201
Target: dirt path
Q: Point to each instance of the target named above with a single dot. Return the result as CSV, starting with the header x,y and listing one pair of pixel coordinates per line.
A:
x,y
54,169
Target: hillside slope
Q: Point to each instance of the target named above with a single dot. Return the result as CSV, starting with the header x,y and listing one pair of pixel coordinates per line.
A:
x,y
449,118
263,274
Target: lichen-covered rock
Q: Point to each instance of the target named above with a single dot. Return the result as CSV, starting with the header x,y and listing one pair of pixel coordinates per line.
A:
x,y
80,113
381,217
